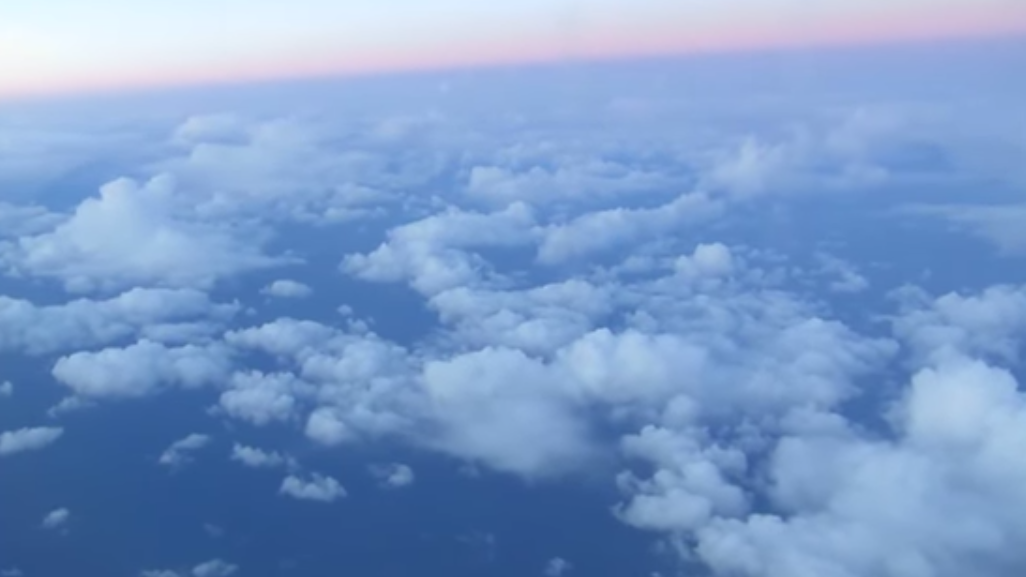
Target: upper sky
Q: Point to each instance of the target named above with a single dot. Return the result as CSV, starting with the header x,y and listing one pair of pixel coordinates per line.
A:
x,y
49,46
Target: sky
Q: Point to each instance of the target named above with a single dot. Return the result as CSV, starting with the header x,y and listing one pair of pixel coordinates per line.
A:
x,y
759,313
61,46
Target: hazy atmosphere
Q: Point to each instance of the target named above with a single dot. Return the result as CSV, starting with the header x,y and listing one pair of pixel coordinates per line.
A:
x,y
605,289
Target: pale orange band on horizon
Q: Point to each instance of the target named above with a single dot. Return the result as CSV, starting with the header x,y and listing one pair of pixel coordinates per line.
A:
x,y
867,30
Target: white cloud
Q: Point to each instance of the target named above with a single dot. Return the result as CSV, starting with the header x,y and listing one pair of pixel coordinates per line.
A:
x,y
178,454
6,389
132,235
596,232
577,180
214,568
846,277
853,505
28,439
433,254
287,289
260,398
257,458
989,323
281,169
393,475
141,369
557,567
56,519
86,323
316,488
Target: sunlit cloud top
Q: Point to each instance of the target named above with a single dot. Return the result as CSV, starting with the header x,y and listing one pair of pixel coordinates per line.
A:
x,y
51,46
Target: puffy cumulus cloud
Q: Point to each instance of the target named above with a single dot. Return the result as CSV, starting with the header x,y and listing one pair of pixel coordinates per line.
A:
x,y
597,232
178,453
214,568
276,169
557,567
854,505
260,398
989,323
536,320
56,519
393,475
317,488
287,289
142,369
257,458
507,411
856,150
28,439
707,261
159,314
358,379
845,277
136,235
435,253
6,389
578,180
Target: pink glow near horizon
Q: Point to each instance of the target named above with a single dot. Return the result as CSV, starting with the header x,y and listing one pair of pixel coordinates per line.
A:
x,y
867,29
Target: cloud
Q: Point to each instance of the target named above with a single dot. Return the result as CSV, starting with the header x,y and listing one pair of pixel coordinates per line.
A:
x,y
999,224
11,572
989,323
854,505
141,369
159,573
394,475
56,519
6,389
317,488
28,439
434,253
135,235
257,458
214,568
597,232
280,169
260,398
287,289
556,567
178,454
85,323
578,180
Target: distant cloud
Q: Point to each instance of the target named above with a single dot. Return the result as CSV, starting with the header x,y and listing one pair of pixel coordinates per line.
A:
x,y
179,453
214,568
11,572
28,439
256,458
287,289
998,224
131,235
394,475
557,567
56,519
6,389
316,488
